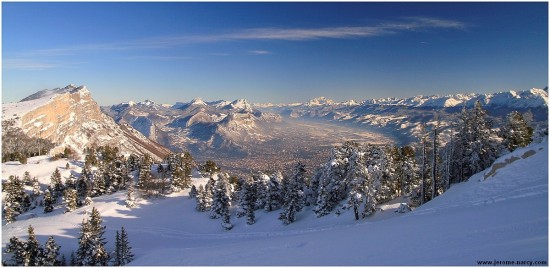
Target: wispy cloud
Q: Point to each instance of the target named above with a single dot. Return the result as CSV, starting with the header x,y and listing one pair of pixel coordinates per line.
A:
x,y
259,52
27,60
29,65
159,58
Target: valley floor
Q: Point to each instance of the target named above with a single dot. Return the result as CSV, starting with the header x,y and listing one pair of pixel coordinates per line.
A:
x,y
503,218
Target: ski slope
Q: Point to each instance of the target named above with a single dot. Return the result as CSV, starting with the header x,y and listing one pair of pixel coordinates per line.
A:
x,y
501,217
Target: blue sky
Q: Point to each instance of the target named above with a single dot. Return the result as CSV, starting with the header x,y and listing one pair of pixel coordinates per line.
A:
x,y
276,52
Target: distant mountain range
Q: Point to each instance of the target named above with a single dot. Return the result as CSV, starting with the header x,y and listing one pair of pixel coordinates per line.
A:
x,y
219,129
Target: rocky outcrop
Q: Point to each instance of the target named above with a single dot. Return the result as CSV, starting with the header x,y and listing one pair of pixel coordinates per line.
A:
x,y
69,117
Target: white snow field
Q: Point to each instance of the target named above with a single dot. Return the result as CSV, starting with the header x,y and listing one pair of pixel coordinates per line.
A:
x,y
503,218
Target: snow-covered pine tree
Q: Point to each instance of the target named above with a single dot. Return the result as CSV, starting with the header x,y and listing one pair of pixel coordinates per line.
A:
x,y
16,247
57,184
51,253
130,200
123,251
246,195
27,179
33,250
14,200
99,186
330,182
91,249
83,185
145,177
516,132
70,182
249,201
358,178
48,202
260,181
294,199
71,199
220,198
36,191
273,197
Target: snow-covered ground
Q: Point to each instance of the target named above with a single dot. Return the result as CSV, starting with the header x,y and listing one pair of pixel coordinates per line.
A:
x,y
503,217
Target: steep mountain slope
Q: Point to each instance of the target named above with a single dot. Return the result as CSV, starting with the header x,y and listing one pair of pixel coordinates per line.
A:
x,y
69,117
499,214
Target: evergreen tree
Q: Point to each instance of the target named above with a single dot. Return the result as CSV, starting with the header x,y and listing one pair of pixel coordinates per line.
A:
x,y
33,250
220,198
27,179
203,200
249,201
516,132
16,247
245,190
91,249
210,168
16,200
51,253
145,178
83,186
70,182
294,199
123,250
99,186
71,199
273,198
130,200
35,188
57,184
48,202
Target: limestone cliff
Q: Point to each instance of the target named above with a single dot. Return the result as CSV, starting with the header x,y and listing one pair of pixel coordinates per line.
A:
x,y
70,117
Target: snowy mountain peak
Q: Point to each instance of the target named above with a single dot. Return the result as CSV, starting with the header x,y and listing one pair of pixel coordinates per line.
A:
x,y
319,101
56,91
146,103
198,101
240,104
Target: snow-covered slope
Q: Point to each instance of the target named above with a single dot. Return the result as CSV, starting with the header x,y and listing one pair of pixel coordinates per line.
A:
x,y
499,214
69,117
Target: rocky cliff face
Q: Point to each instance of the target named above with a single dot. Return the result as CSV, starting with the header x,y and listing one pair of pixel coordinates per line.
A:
x,y
70,117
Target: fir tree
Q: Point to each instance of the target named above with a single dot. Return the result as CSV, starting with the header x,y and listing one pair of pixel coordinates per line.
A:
x,y
57,184
27,179
71,199
273,198
294,199
16,247
48,202
50,253
130,200
249,202
91,249
204,199
36,188
220,198
123,251
145,178
33,250
516,132
83,186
